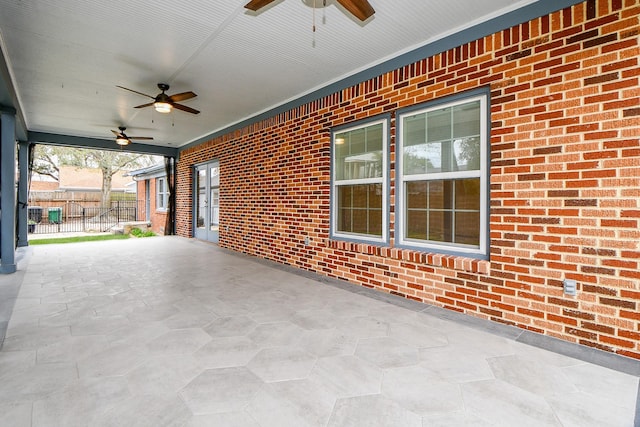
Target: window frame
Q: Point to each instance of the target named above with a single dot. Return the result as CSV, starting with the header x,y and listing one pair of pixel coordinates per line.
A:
x,y
482,251
334,234
162,198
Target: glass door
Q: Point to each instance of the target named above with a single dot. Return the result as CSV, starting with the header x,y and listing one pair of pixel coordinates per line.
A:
x,y
207,202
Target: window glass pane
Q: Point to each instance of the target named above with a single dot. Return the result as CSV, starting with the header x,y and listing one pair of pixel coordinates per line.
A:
x,y
161,193
375,196
466,119
374,138
202,197
426,158
215,177
467,194
360,209
358,153
360,221
414,161
434,157
468,228
416,195
375,222
416,227
439,125
441,195
360,194
357,139
341,151
201,179
345,221
345,195
467,153
440,226
414,130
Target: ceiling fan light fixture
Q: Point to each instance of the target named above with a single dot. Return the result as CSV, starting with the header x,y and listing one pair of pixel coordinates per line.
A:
x,y
316,4
162,107
122,140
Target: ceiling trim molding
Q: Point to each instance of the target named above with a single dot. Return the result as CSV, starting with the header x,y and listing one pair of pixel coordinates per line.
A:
x,y
103,144
494,25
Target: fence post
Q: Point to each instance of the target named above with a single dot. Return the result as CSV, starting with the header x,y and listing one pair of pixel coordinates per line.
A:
x,y
84,225
118,211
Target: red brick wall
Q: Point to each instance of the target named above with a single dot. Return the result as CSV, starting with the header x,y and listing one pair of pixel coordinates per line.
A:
x,y
565,179
158,218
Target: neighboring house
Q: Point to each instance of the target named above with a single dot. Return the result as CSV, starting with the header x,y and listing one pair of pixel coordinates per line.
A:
x,y
79,185
152,194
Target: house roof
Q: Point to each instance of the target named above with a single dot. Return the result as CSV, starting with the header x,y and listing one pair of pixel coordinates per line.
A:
x,y
61,61
147,172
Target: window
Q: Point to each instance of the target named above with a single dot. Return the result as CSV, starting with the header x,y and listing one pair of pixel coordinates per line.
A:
x,y
443,175
359,182
162,194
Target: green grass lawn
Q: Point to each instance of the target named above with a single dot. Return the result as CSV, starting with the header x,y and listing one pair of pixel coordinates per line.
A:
x,y
78,239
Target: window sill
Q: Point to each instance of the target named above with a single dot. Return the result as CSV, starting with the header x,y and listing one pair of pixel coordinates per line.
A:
x,y
453,262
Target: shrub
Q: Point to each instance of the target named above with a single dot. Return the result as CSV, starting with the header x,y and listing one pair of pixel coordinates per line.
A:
x,y
139,233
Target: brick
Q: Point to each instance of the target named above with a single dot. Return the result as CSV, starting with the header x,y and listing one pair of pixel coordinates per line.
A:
x,y
618,342
618,303
580,333
600,40
518,55
601,79
578,314
581,202
599,290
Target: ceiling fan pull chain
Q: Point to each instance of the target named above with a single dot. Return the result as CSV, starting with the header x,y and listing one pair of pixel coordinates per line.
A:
x,y
314,16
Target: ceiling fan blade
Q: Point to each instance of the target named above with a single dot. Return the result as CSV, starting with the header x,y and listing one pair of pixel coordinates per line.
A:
x,y
257,4
185,108
182,96
135,91
361,9
118,134
144,105
142,138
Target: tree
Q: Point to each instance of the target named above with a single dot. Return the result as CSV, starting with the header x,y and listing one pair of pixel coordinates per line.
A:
x,y
109,163
47,160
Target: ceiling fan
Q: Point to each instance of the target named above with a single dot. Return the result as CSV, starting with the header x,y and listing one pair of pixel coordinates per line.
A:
x,y
123,139
164,103
361,9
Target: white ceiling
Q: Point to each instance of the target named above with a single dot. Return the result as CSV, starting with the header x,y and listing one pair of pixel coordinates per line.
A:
x,y
66,57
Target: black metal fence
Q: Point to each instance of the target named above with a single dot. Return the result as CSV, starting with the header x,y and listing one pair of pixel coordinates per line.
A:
x,y
74,217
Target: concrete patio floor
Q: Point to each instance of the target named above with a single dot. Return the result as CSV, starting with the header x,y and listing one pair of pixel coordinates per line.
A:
x,y
168,331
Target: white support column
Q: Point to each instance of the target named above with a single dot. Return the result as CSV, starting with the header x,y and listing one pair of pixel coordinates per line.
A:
x,y
23,193
7,191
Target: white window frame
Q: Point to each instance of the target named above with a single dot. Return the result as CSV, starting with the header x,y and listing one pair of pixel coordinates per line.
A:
x,y
383,180
483,173
162,198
